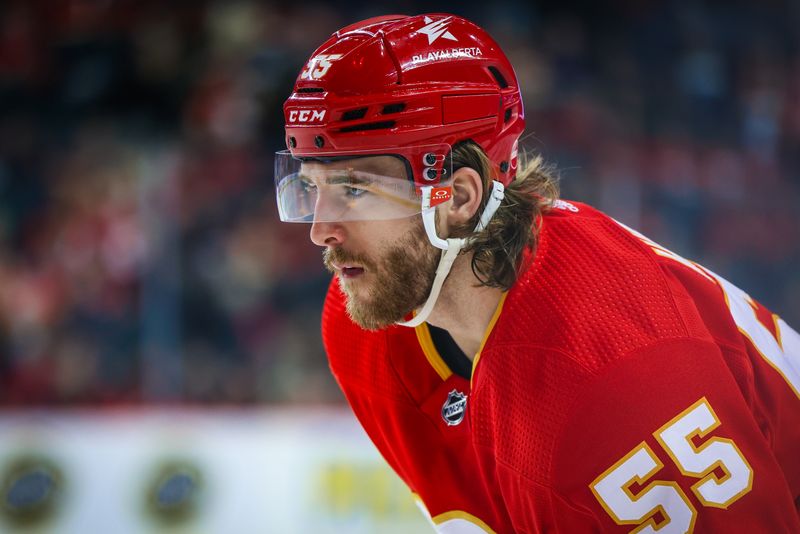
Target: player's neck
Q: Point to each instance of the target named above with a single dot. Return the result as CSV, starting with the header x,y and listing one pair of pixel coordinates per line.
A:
x,y
465,308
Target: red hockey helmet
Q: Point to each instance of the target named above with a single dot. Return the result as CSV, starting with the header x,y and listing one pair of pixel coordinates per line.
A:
x,y
406,86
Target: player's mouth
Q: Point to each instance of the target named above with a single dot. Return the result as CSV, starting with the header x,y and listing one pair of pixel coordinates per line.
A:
x,y
349,271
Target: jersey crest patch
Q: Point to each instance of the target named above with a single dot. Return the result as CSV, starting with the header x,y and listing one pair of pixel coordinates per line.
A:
x,y
454,408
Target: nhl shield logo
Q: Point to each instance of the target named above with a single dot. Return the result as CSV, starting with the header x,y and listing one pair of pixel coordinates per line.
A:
x,y
454,408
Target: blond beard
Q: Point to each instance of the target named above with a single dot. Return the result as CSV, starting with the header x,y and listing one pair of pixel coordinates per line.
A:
x,y
402,279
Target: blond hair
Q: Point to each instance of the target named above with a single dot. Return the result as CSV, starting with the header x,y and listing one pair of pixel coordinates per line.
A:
x,y
498,250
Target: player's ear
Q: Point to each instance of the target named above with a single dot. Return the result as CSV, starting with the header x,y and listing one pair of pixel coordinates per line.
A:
x,y
467,194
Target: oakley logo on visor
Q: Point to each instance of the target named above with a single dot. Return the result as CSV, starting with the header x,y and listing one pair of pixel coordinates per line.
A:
x,y
440,195
435,29
307,115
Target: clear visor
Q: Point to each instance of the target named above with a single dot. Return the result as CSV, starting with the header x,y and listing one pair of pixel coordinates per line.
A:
x,y
358,187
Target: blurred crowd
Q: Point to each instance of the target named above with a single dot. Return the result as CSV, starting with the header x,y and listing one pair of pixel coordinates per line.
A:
x,y
141,257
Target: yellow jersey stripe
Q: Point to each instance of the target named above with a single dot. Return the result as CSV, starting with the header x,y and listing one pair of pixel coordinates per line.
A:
x,y
458,514
488,331
432,355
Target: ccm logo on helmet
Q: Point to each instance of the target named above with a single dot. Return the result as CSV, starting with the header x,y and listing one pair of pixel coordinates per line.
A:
x,y
307,115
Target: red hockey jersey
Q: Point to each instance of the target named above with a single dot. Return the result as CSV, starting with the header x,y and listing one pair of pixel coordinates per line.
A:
x,y
619,388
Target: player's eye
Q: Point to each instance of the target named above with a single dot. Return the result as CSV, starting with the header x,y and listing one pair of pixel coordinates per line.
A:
x,y
352,186
355,192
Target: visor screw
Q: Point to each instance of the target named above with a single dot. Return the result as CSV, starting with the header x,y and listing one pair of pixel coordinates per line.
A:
x,y
430,174
429,158
504,166
292,142
319,141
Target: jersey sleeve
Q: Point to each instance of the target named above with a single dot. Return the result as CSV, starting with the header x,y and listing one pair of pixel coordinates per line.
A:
x,y
663,440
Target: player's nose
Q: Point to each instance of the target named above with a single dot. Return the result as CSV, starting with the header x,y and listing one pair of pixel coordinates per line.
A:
x,y
327,233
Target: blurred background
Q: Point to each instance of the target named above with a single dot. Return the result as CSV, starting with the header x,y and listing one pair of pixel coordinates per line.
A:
x,y
145,278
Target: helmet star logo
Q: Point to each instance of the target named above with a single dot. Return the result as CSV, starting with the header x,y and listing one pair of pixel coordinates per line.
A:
x,y
435,29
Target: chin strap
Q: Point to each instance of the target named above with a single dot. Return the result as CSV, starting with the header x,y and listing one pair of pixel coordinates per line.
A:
x,y
450,247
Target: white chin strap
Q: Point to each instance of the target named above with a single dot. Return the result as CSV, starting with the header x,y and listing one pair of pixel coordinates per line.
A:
x,y
450,247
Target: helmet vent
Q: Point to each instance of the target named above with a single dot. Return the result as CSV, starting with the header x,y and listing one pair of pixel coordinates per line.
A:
x,y
498,76
369,126
310,90
393,108
354,114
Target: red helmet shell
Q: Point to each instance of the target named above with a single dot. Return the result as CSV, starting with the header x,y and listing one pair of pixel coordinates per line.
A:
x,y
396,82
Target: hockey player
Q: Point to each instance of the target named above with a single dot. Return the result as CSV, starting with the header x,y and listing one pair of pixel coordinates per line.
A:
x,y
524,363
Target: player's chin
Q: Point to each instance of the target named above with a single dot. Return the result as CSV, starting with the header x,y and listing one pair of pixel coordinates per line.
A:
x,y
357,289
370,317
370,322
